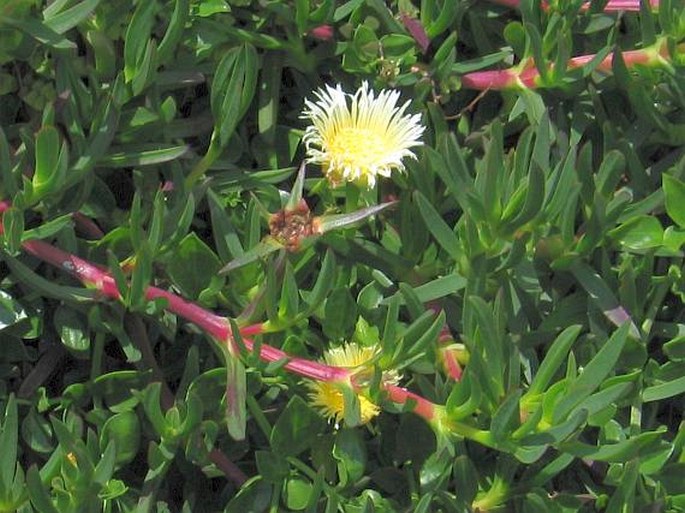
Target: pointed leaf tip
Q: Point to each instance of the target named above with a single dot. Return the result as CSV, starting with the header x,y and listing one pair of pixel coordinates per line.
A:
x,y
332,222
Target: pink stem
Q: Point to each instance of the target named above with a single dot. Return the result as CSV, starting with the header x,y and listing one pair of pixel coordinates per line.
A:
x,y
230,469
631,58
528,76
623,5
612,5
447,354
422,407
214,325
307,368
618,6
253,329
490,79
451,363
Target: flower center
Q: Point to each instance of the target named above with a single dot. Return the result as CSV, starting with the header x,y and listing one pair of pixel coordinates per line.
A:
x,y
356,147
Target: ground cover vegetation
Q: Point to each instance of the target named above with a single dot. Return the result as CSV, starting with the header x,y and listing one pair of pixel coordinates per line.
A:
x,y
356,256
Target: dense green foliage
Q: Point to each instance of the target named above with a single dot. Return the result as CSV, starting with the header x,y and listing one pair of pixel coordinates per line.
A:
x,y
150,138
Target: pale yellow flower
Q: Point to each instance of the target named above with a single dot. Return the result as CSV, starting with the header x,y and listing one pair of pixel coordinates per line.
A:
x,y
327,396
356,138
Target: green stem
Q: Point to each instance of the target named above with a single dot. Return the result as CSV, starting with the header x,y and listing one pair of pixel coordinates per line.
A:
x,y
96,364
494,497
305,469
275,500
653,309
471,433
204,163
258,416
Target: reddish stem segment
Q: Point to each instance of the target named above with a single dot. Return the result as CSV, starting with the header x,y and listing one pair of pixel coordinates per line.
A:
x,y
230,469
528,76
422,407
611,6
451,362
214,325
448,355
306,368
87,226
252,329
624,5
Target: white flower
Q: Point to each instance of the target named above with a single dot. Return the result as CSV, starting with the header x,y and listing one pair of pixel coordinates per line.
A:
x,y
358,142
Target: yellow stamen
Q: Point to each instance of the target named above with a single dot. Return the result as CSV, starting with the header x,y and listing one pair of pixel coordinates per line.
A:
x,y
328,397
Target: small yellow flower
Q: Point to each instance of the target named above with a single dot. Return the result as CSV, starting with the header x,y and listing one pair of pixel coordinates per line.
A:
x,y
71,458
327,396
358,142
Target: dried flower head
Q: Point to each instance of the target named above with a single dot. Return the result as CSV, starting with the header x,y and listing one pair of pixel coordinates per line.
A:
x,y
357,137
327,396
291,226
